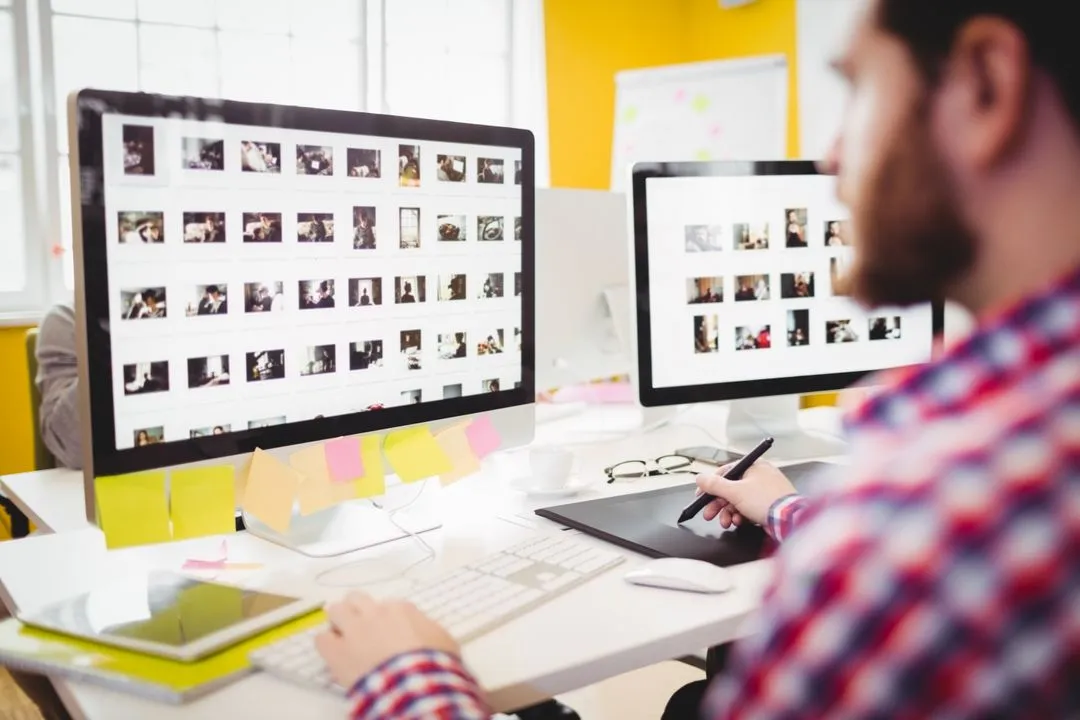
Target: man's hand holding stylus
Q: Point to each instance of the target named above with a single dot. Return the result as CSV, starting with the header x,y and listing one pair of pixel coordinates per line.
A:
x,y
747,499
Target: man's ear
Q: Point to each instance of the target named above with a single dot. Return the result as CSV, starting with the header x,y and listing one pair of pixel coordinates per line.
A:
x,y
985,91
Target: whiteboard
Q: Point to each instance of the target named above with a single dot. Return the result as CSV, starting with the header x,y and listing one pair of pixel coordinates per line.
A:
x,y
822,28
717,110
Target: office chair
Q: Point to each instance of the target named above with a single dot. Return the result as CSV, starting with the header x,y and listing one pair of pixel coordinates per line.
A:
x,y
43,459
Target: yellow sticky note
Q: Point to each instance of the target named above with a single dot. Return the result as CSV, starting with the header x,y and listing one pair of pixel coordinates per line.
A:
x,y
373,483
271,489
315,486
132,509
455,443
414,454
202,501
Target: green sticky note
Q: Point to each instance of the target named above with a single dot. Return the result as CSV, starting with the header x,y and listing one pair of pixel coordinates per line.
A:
x,y
202,501
700,103
630,114
703,155
414,454
132,509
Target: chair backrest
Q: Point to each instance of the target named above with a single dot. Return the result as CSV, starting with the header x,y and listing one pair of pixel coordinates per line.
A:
x,y
43,459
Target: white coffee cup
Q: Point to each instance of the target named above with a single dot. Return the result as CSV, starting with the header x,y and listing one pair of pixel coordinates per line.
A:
x,y
550,467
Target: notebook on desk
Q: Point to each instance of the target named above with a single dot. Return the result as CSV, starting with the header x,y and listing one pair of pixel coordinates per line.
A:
x,y
168,681
646,523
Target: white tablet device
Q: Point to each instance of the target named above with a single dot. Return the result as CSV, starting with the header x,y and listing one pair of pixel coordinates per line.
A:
x,y
169,615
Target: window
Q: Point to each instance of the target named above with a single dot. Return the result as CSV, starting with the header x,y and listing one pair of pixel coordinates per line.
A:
x,y
14,160
465,60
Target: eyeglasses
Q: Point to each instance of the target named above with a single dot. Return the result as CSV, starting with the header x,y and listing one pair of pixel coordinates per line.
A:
x,y
637,469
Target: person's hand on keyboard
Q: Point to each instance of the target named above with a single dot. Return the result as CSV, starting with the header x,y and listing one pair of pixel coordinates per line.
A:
x,y
364,633
749,498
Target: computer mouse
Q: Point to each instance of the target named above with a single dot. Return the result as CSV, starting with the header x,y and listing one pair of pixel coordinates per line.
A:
x,y
682,574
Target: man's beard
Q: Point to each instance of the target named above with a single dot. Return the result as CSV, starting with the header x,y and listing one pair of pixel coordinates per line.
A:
x,y
911,244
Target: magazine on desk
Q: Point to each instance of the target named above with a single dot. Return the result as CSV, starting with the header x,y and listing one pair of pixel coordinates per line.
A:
x,y
169,681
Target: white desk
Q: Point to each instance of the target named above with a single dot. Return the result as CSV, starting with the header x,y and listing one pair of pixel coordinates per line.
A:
x,y
52,499
602,629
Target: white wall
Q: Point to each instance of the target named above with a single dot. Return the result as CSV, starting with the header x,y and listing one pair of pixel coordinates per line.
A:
x,y
822,27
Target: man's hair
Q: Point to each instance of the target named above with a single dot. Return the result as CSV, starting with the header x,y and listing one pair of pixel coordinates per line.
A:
x,y
929,29
212,290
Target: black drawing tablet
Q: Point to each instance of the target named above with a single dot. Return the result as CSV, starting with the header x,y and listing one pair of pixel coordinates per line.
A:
x,y
646,523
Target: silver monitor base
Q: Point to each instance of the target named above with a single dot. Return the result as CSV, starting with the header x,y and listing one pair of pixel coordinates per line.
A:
x,y
752,420
346,528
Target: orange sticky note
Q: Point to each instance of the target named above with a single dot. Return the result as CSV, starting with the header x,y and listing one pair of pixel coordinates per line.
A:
x,y
271,488
455,443
315,486
414,454
202,501
373,483
133,509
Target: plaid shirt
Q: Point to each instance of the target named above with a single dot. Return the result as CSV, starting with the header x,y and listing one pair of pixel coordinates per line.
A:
x,y
941,577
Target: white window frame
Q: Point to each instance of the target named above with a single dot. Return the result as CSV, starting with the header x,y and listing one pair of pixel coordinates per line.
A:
x,y
46,283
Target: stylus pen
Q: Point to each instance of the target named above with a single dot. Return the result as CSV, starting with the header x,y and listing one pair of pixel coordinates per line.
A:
x,y
736,473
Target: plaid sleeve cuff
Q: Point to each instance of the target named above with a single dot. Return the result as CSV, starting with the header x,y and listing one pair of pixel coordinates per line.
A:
x,y
415,685
783,516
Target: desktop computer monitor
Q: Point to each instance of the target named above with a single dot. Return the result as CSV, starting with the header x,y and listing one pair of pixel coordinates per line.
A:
x,y
736,274
259,276
583,288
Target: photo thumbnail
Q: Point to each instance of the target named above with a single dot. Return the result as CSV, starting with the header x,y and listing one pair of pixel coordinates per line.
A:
x,y
409,226
492,286
837,233
491,343
753,337
703,238
489,228
839,268
410,289
260,157
706,334
208,371
365,354
451,168
147,228
452,345
203,153
491,386
266,422
138,149
204,227
840,331
265,365
490,170
262,227
149,436
411,347
210,299
364,292
319,360
703,290
796,285
884,328
452,287
143,303
412,397
409,165
264,297
449,392
751,287
314,160
316,294
798,328
796,228
210,430
364,163
146,377
363,227
751,236
451,228
315,227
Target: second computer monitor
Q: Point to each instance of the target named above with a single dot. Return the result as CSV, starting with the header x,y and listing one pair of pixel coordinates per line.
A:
x,y
738,272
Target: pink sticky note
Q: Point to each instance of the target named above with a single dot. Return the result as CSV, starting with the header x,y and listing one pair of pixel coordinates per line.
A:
x,y
680,95
483,437
343,459
203,565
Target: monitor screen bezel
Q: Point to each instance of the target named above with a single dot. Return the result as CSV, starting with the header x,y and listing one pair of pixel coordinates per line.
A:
x,y
650,396
91,255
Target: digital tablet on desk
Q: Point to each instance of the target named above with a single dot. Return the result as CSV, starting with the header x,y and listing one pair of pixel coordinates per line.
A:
x,y
169,615
646,522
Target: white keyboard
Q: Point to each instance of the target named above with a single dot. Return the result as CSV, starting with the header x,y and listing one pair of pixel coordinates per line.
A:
x,y
469,602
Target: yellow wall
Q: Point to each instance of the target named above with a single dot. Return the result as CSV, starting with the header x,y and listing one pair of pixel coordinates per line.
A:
x,y
589,41
16,431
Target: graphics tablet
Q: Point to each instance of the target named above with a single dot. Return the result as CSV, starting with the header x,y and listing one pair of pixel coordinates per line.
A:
x,y
169,615
646,523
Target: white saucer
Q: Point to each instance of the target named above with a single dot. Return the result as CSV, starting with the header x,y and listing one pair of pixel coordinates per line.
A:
x,y
571,489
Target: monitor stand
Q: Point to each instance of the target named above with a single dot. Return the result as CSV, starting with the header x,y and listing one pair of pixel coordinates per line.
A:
x,y
750,421
348,527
